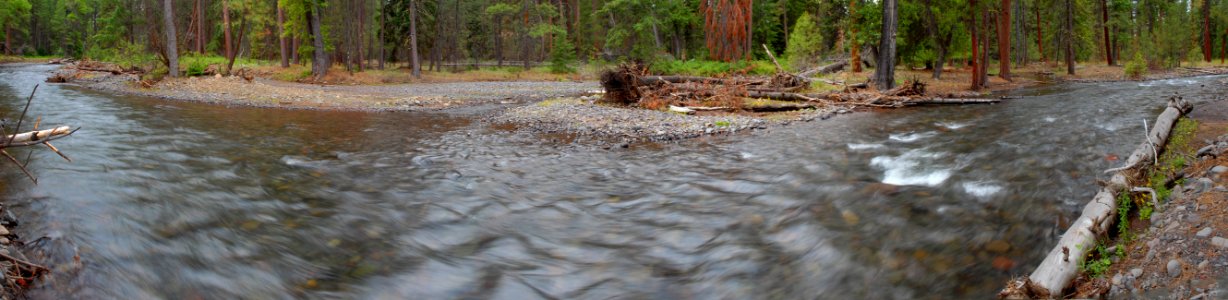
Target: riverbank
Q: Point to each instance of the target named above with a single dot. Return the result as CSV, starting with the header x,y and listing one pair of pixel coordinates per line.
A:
x,y
573,111
1181,252
1174,248
264,92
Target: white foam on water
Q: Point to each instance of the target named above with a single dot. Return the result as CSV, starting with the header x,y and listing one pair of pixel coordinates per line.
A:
x,y
953,125
856,146
981,189
906,169
910,137
1050,119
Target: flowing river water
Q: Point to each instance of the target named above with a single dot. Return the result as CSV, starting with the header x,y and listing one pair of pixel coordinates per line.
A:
x,y
190,201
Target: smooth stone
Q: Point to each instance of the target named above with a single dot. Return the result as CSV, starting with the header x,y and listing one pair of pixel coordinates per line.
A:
x,y
1203,265
1219,169
1219,242
1137,272
1174,268
4,231
998,246
1206,231
1117,279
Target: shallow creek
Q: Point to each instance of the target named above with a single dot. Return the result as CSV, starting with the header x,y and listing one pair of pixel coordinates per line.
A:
x,y
190,201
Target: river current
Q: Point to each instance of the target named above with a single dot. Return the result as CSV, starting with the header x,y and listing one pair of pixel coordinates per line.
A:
x,y
182,200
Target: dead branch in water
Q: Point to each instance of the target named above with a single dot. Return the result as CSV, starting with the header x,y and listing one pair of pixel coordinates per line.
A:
x,y
31,138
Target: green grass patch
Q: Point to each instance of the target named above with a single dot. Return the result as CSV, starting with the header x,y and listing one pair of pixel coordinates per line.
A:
x,y
712,68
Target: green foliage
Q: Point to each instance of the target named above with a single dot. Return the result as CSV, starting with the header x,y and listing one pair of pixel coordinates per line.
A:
x,y
563,54
712,68
804,44
1136,68
721,124
196,65
1096,267
1124,204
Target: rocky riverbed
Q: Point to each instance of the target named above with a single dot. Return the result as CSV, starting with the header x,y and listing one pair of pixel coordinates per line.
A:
x,y
620,125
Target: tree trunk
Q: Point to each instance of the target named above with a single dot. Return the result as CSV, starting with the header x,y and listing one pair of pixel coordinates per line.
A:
x,y
976,67
1206,30
319,59
172,51
1040,34
854,47
1104,21
281,38
499,40
230,62
984,72
1004,40
228,45
362,41
413,38
931,29
382,56
200,27
884,73
1069,37
8,40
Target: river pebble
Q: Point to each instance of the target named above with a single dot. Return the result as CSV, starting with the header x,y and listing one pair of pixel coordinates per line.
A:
x,y
1219,242
1204,232
1174,268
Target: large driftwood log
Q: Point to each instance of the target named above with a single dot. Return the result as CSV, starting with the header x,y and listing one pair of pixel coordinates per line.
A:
x,y
1061,265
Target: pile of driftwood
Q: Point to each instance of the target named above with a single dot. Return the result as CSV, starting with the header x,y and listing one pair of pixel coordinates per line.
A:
x,y
632,85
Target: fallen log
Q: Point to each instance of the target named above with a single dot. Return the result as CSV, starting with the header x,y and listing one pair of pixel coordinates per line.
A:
x,y
923,101
1061,265
36,136
828,69
780,107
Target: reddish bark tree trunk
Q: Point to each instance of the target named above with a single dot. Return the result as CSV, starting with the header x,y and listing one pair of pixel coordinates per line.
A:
x,y
1004,40
226,31
854,46
200,27
1206,30
1108,47
976,65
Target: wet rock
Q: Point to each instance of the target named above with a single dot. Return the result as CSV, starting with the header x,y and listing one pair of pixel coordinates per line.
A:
x,y
1201,185
1137,272
998,246
1219,169
1219,242
850,217
1204,232
1174,268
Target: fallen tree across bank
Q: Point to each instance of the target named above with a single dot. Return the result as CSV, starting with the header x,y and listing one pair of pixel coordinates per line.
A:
x,y
630,85
1061,265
